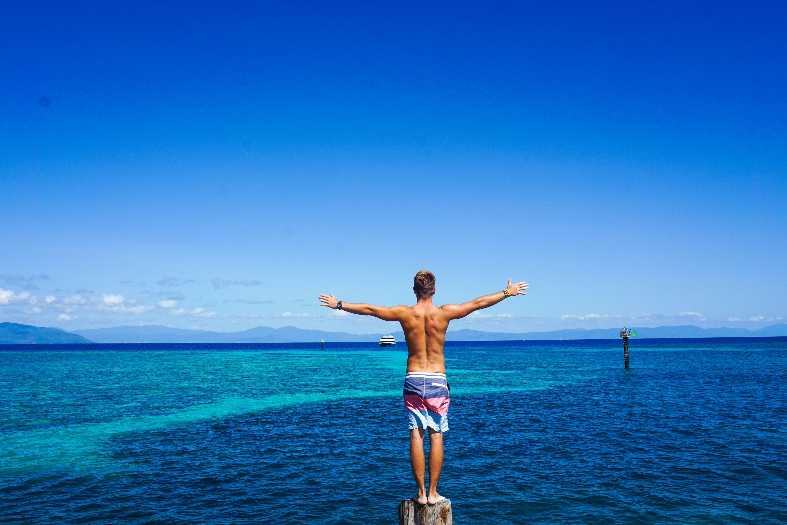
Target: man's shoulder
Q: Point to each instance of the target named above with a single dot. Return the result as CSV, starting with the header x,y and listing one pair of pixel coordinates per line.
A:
x,y
447,307
404,310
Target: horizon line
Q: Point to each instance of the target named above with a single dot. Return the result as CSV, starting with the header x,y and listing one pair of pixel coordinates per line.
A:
x,y
364,343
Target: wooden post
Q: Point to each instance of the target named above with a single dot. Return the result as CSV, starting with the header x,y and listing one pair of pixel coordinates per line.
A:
x,y
412,513
625,335
626,352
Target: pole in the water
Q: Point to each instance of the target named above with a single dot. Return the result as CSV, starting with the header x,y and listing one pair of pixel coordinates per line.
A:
x,y
624,334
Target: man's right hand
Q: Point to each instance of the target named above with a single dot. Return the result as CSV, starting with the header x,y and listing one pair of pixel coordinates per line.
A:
x,y
329,301
516,288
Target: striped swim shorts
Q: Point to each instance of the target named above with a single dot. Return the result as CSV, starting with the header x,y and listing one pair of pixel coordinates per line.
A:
x,y
426,399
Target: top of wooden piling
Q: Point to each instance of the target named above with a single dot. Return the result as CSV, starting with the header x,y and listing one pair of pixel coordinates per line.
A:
x,y
413,513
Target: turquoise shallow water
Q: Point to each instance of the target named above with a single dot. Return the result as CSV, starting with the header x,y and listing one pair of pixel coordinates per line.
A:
x,y
695,432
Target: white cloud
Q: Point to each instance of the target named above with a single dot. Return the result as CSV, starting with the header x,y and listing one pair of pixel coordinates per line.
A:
x,y
49,299
195,312
692,314
168,303
587,317
481,315
201,312
9,296
340,313
297,314
75,299
118,303
64,317
6,296
681,317
113,299
757,318
136,309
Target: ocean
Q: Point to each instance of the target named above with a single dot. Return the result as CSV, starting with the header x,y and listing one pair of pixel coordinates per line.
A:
x,y
540,432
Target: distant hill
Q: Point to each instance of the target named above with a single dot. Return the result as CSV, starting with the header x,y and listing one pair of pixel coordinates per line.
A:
x,y
13,333
292,334
260,334
650,332
775,330
147,334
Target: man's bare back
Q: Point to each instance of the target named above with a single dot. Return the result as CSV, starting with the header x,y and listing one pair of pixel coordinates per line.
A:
x,y
426,392
425,324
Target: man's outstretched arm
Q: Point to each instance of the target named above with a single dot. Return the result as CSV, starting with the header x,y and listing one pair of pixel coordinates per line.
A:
x,y
386,313
457,311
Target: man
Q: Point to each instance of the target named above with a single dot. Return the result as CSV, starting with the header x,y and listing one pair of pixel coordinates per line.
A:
x,y
426,390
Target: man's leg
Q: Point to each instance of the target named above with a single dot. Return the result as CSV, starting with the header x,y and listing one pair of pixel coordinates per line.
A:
x,y
435,463
418,461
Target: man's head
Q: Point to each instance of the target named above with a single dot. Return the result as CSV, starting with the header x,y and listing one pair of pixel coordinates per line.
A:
x,y
423,284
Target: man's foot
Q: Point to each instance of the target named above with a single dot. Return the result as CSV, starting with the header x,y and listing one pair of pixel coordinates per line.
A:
x,y
421,500
437,498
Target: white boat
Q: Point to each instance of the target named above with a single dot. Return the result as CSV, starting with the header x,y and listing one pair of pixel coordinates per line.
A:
x,y
387,340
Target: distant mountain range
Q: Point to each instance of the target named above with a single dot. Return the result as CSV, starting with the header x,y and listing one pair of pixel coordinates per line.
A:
x,y
18,333
260,334
292,334
26,334
645,332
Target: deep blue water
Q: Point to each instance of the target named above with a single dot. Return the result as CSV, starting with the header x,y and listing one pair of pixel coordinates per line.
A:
x,y
541,432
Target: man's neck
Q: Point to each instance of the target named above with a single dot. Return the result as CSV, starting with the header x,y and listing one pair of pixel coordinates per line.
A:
x,y
424,302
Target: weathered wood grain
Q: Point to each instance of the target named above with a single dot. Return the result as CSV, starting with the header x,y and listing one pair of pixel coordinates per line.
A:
x,y
412,513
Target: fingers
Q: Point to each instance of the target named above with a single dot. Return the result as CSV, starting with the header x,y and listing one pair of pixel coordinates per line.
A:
x,y
328,301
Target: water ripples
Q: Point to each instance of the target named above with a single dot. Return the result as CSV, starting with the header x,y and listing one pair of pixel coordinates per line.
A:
x,y
554,437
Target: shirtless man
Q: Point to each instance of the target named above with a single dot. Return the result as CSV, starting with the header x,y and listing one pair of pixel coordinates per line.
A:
x,y
426,391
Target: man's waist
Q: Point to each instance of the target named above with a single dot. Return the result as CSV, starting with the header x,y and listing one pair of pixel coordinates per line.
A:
x,y
425,374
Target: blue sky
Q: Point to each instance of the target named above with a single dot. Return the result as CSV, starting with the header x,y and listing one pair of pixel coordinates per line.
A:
x,y
219,168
